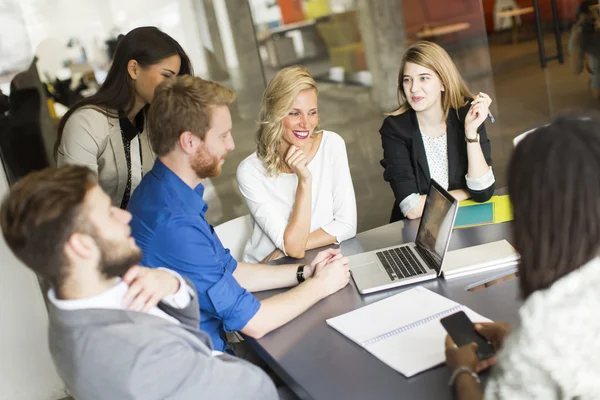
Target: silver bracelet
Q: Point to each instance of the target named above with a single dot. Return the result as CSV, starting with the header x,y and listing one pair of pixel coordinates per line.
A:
x,y
461,370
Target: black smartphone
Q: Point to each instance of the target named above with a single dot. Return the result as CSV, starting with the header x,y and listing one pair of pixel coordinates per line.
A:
x,y
462,331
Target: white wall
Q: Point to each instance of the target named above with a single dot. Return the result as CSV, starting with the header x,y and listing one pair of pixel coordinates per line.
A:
x,y
15,49
94,21
226,35
26,369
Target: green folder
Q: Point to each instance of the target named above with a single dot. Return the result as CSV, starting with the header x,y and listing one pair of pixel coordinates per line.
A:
x,y
496,210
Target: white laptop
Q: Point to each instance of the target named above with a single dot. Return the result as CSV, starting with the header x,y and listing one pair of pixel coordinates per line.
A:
x,y
410,262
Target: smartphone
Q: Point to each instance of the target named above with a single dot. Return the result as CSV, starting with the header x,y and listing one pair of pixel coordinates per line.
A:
x,y
462,331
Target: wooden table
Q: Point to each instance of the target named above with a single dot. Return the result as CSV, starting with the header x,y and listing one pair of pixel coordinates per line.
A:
x,y
514,13
442,30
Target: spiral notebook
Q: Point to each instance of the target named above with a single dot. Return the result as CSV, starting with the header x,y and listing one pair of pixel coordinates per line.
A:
x,y
403,330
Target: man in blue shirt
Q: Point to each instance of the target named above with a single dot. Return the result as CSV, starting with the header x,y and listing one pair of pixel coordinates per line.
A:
x,y
191,124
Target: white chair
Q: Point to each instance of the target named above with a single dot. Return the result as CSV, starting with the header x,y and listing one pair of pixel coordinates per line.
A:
x,y
212,199
234,234
501,22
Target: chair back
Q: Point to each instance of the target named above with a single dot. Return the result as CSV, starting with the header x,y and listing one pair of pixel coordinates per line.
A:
x,y
522,136
235,234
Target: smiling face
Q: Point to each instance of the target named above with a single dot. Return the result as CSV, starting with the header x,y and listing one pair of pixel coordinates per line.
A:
x,y
300,123
422,87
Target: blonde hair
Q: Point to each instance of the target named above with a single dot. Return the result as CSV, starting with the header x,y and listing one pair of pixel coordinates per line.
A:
x,y
183,103
434,57
278,99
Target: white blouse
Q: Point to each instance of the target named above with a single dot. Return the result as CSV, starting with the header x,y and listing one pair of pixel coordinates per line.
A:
x,y
553,354
136,164
271,199
436,150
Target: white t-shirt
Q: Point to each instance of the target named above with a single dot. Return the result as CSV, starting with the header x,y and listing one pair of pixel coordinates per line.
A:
x,y
136,163
271,199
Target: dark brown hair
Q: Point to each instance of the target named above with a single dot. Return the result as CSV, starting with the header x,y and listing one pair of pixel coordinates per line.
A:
x,y
180,104
40,214
147,45
555,190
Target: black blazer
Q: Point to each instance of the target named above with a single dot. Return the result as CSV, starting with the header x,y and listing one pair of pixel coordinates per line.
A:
x,y
405,161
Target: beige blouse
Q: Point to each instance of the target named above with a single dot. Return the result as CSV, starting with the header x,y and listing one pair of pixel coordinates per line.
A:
x,y
93,139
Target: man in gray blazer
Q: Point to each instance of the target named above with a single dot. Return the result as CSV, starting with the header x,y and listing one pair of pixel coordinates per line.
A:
x,y
133,337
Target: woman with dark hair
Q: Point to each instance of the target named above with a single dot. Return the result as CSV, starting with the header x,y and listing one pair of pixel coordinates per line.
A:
x,y
553,354
107,132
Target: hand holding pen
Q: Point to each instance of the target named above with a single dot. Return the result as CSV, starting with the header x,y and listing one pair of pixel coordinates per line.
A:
x,y
482,95
477,114
489,114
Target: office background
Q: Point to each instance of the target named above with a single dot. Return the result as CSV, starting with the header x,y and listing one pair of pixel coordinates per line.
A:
x,y
352,47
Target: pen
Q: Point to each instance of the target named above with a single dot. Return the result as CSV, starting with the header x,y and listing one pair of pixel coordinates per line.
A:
x,y
490,116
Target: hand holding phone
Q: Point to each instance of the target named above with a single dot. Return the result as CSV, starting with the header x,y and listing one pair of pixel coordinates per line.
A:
x,y
462,331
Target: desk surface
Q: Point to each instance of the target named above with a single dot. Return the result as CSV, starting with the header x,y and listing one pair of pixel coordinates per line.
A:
x,y
317,362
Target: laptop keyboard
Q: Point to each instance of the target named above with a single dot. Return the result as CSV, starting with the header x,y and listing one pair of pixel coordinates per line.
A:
x,y
426,257
400,263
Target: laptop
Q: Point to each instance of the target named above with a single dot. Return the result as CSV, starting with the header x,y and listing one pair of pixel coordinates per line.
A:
x,y
410,262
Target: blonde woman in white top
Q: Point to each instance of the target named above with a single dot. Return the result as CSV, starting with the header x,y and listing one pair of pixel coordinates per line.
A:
x,y
553,353
297,184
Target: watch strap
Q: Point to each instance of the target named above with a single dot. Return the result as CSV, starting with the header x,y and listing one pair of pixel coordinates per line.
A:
x,y
475,140
300,274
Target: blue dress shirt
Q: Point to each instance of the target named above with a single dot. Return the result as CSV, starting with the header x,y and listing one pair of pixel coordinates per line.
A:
x,y
169,225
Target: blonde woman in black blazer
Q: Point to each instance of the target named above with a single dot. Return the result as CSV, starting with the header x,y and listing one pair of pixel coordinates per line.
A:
x,y
437,133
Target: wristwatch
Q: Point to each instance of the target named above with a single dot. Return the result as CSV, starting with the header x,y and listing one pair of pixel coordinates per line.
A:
x,y
476,140
300,274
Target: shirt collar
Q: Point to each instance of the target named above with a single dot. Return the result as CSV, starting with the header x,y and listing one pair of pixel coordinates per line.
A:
x,y
192,198
109,299
130,130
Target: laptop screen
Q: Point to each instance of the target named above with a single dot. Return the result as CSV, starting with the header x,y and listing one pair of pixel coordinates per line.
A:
x,y
437,223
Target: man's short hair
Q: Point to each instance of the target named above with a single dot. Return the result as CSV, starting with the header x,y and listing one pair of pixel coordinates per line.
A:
x,y
180,104
40,214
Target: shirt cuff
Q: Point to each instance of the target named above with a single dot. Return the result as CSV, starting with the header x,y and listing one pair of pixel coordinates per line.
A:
x,y
327,230
483,182
340,231
283,248
180,299
409,202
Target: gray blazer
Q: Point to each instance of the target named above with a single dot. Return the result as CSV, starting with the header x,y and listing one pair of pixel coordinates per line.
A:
x,y
92,139
118,354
